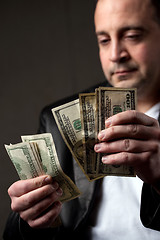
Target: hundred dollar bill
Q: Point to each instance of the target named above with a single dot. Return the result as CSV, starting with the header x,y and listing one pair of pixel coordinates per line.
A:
x,y
112,101
87,103
68,120
24,160
51,165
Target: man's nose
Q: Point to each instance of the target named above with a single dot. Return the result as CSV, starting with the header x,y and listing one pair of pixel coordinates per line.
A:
x,y
118,52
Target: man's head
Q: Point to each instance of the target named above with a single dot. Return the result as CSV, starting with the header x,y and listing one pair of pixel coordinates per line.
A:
x,y
128,33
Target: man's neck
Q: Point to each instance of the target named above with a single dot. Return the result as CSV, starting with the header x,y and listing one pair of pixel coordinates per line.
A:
x,y
147,99
144,106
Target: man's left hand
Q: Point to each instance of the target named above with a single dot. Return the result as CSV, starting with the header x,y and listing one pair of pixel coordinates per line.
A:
x,y
132,138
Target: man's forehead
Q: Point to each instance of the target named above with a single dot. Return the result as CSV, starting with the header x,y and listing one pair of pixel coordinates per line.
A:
x,y
117,4
115,1
123,9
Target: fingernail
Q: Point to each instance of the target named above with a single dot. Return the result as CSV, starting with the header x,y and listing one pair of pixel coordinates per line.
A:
x,y
108,122
101,135
48,179
59,191
97,147
104,159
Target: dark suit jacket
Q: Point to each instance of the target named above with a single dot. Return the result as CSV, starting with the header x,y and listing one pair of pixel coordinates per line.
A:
x,y
75,213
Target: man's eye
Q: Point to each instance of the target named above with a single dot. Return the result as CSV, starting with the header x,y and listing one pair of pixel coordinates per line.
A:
x,y
133,37
103,41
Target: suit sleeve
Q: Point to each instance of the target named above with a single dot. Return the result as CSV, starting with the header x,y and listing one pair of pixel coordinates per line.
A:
x,y
18,229
150,207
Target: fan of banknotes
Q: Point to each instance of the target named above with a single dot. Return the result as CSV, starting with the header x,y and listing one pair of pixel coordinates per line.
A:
x,y
79,123
36,155
81,120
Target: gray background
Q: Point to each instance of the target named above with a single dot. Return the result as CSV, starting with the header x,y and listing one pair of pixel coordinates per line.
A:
x,y
48,51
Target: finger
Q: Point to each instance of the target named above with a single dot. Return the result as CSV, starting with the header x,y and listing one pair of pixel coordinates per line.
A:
x,y
135,131
131,116
24,186
31,198
40,207
131,159
126,145
47,219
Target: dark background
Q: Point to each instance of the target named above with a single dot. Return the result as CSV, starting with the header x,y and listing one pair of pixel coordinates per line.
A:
x,y
48,51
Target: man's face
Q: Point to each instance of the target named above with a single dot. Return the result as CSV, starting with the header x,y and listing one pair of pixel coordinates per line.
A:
x,y
129,43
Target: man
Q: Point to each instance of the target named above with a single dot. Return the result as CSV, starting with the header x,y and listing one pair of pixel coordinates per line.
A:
x,y
128,33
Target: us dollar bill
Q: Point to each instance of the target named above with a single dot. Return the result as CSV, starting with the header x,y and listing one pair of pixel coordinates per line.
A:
x,y
87,103
36,156
51,165
68,120
24,160
111,101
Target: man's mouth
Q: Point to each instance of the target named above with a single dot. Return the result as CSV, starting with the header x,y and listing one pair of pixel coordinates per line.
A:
x,y
123,74
124,71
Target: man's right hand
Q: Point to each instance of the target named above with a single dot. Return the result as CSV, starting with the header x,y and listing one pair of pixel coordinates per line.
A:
x,y
36,200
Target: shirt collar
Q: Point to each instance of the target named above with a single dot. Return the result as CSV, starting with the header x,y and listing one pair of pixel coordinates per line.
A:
x,y
154,111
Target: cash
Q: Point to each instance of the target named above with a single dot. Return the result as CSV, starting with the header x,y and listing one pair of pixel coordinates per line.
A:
x,y
24,160
110,102
79,123
36,156
87,103
81,120
67,117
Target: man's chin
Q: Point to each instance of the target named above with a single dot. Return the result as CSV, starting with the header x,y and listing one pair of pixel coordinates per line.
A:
x,y
125,84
